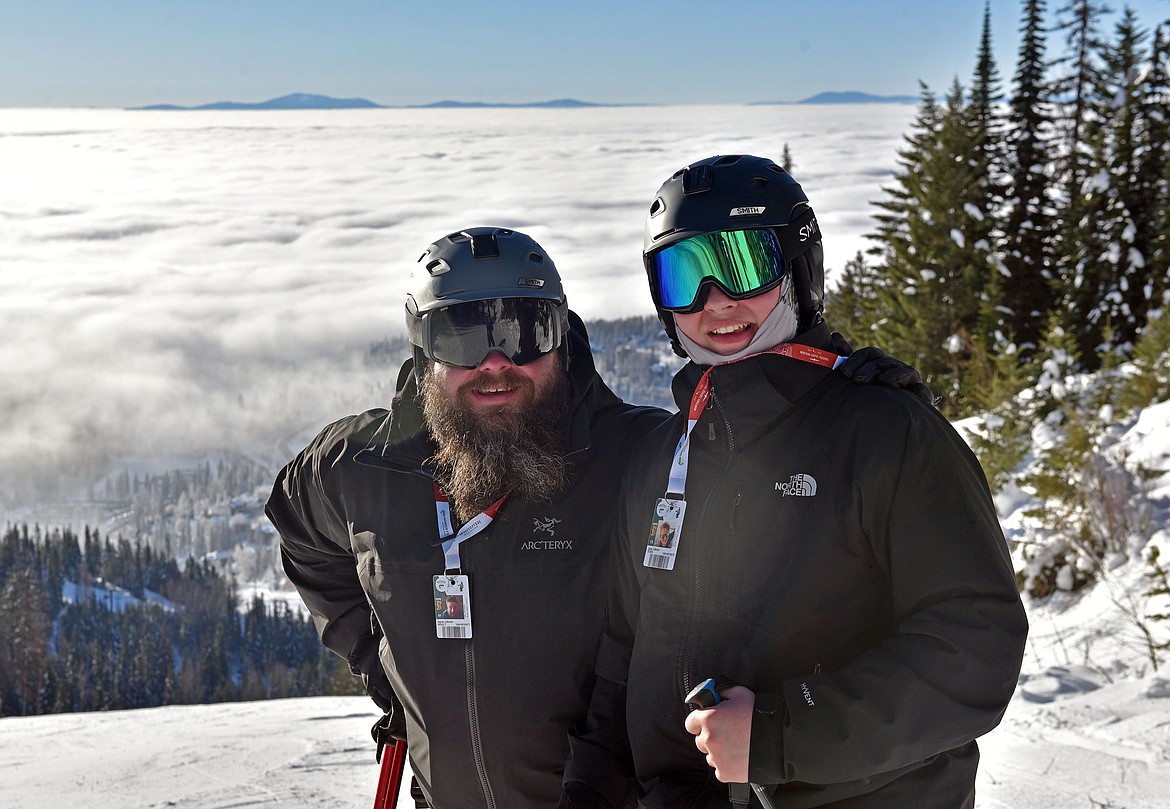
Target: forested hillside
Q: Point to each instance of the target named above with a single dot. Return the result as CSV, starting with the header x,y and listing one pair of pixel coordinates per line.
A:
x,y
88,624
1031,227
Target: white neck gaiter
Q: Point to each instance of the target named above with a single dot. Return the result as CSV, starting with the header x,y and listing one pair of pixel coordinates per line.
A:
x,y
778,327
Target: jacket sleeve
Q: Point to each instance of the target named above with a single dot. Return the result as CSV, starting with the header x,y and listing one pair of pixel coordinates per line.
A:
x,y
315,547
946,674
599,748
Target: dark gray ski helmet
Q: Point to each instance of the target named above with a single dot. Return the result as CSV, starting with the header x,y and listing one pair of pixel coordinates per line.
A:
x,y
482,264
739,192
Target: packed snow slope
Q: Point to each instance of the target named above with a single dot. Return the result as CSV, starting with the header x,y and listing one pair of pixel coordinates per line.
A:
x,y
1071,738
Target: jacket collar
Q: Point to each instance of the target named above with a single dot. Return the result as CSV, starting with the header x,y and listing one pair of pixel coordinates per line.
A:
x,y
768,375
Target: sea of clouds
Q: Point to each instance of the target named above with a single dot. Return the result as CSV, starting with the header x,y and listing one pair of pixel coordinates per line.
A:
x,y
174,284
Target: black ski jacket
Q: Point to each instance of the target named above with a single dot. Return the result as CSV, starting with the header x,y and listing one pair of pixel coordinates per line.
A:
x,y
487,718
840,556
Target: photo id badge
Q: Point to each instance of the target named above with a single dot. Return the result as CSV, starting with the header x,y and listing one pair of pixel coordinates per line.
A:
x,y
452,606
665,529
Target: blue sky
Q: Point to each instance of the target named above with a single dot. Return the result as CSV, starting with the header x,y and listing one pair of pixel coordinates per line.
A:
x,y
131,52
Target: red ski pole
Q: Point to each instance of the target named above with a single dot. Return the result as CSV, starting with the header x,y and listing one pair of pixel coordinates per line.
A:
x,y
390,778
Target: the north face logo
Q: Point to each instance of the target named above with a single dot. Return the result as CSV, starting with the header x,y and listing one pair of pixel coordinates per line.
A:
x,y
798,486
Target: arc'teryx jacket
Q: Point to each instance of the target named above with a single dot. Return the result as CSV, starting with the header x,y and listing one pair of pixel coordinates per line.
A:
x,y
840,556
487,718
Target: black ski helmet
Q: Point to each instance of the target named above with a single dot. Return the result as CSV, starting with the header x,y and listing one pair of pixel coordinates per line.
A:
x,y
479,264
738,192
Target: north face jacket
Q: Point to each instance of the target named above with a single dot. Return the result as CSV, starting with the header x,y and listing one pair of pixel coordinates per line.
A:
x,y
486,717
840,556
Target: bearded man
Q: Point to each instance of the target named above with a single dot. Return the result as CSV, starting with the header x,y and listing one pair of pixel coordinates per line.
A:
x,y
490,478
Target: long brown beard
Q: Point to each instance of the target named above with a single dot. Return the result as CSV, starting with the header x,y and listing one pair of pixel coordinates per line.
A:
x,y
482,456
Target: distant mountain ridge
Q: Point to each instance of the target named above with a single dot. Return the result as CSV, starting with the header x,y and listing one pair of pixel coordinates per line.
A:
x,y
293,101
560,103
851,97
309,101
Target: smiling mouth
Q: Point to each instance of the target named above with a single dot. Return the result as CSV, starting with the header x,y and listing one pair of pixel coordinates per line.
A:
x,y
495,390
732,329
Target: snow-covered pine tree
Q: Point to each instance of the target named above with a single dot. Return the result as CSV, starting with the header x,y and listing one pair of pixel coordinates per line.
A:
x,y
1117,196
854,306
1024,288
1001,437
1150,381
1152,161
933,250
989,160
987,121
1081,247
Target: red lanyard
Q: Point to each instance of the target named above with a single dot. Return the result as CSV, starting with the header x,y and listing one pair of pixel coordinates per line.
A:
x,y
678,470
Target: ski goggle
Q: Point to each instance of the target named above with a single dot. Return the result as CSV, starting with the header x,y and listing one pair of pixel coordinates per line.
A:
x,y
741,263
523,329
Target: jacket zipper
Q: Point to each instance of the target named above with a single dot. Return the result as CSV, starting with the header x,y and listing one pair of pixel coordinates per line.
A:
x,y
473,720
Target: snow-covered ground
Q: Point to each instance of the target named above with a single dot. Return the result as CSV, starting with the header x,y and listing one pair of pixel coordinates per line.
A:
x,y
1101,741
1075,735
313,752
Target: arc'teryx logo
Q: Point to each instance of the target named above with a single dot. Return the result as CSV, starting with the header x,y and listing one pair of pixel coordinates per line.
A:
x,y
798,486
545,525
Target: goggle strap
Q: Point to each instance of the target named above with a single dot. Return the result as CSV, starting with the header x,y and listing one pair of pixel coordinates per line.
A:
x,y
799,235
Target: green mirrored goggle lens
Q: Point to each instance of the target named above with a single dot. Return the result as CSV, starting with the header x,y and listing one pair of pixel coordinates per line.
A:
x,y
740,262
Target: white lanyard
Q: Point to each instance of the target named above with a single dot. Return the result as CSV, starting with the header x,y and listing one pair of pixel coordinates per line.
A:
x,y
470,528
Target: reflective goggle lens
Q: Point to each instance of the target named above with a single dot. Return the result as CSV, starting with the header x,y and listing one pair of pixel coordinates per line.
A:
x,y
524,329
741,262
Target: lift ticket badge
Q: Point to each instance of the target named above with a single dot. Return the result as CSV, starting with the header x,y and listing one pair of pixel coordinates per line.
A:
x,y
665,528
452,606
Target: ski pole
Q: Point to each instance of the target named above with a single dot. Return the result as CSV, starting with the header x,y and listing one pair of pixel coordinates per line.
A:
x,y
390,776
706,695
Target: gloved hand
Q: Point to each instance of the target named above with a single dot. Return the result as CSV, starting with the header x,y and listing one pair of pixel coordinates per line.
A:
x,y
871,365
365,662
389,728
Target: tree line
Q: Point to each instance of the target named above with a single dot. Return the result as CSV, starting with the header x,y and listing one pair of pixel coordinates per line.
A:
x,y
1020,261
1022,230
182,640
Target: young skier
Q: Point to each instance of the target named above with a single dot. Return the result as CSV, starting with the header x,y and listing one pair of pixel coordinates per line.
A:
x,y
836,561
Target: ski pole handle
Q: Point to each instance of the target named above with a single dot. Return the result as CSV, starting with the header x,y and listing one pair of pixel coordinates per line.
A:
x,y
704,695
